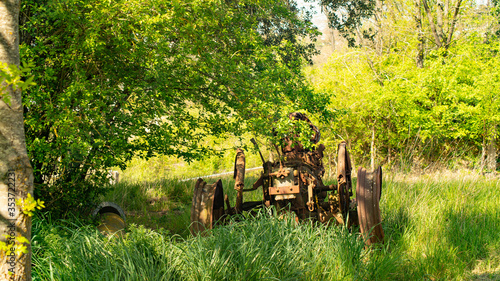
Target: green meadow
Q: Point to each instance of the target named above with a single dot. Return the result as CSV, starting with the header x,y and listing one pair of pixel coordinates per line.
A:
x,y
443,226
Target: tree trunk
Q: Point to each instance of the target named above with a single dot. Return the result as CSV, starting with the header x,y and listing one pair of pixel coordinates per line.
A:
x,y
389,128
491,158
483,156
440,38
483,149
389,156
16,173
379,44
439,20
329,165
420,38
427,10
372,149
333,40
453,23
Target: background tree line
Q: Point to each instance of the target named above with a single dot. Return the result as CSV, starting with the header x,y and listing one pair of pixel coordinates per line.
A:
x,y
419,82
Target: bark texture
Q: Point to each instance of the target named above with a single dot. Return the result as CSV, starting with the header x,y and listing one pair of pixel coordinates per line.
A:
x,y
491,159
420,38
441,39
16,174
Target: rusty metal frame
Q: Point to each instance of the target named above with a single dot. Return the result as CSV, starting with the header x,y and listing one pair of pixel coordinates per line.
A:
x,y
295,180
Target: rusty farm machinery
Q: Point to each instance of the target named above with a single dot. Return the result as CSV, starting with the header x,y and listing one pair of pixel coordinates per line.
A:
x,y
294,183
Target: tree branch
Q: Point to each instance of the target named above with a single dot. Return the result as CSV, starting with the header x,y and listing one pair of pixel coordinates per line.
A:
x,y
453,23
431,22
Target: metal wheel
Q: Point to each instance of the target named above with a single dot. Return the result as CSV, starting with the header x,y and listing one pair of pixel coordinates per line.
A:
x,y
344,178
111,217
109,207
368,194
207,206
379,181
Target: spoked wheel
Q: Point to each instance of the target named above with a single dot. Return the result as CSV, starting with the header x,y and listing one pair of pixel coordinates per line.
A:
x,y
207,206
344,178
368,191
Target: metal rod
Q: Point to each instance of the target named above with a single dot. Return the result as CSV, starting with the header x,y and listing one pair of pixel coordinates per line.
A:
x,y
257,146
247,206
239,176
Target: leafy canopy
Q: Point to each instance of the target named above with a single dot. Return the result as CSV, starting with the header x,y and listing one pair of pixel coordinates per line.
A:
x,y
115,78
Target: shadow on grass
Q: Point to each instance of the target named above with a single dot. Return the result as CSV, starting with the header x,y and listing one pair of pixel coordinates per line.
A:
x,y
486,276
167,203
396,224
469,238
476,235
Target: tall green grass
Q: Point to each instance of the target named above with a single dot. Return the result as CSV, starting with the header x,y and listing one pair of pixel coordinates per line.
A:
x,y
84,254
262,247
441,227
445,226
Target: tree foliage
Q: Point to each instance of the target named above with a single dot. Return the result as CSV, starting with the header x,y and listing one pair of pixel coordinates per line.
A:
x,y
347,16
402,109
156,77
416,114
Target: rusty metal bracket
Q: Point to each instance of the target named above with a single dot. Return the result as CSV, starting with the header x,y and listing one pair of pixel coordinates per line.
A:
x,y
274,190
257,184
281,173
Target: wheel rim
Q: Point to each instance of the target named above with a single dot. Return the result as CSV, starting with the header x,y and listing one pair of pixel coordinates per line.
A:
x,y
379,182
207,206
344,178
368,192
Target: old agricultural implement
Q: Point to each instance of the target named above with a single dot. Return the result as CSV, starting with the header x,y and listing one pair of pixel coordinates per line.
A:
x,y
294,183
